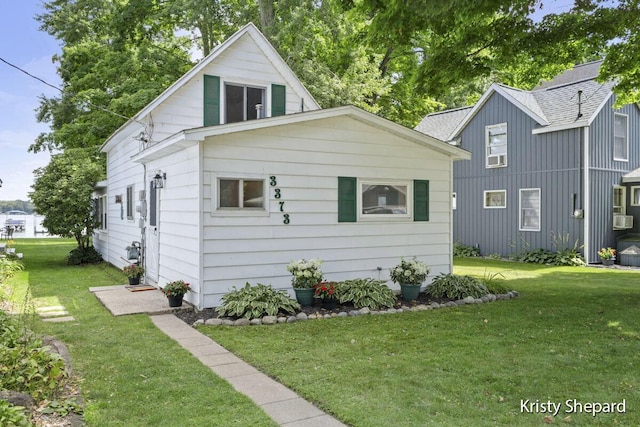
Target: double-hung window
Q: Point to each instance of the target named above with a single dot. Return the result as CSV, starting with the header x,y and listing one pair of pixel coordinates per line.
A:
x,y
621,137
239,193
102,212
530,209
130,202
496,145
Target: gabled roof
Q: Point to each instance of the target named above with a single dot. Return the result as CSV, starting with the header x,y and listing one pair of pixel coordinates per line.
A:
x,y
572,99
190,137
260,40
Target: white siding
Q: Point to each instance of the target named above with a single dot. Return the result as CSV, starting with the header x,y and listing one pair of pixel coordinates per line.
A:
x,y
178,219
242,63
121,173
306,160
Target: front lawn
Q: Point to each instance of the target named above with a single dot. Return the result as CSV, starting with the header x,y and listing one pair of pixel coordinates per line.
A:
x,y
131,373
573,333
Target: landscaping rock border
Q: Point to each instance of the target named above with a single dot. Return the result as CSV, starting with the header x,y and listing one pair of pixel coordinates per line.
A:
x,y
303,316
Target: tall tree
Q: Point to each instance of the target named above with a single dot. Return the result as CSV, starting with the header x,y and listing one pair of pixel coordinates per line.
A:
x,y
62,192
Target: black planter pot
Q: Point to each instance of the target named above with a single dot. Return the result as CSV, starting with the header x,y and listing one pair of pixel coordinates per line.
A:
x,y
134,280
175,300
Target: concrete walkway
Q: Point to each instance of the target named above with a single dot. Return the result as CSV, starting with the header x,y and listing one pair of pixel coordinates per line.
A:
x,y
281,404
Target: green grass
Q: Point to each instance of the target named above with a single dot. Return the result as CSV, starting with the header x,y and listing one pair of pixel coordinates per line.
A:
x,y
131,373
573,333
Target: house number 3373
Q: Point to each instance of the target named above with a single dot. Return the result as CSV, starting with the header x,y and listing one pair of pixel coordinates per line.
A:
x,y
277,194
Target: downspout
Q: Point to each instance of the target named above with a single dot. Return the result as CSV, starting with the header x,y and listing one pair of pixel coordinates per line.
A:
x,y
143,224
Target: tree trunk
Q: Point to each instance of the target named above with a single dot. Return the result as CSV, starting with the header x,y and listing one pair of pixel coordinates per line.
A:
x,y
267,16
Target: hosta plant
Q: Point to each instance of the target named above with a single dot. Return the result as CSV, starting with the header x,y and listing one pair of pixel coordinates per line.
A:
x,y
370,293
253,302
454,287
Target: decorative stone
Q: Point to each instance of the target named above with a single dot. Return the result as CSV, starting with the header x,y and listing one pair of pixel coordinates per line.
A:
x,y
228,322
342,314
468,300
515,293
301,316
354,313
477,301
327,316
485,298
282,320
198,322
391,311
365,310
213,322
291,319
269,320
256,321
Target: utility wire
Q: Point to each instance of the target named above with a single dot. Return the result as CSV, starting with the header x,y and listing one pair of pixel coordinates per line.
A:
x,y
71,94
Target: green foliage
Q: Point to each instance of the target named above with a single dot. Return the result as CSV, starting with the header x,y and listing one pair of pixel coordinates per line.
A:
x,y
63,192
62,408
28,366
455,287
538,256
88,255
13,416
8,268
253,302
465,251
370,293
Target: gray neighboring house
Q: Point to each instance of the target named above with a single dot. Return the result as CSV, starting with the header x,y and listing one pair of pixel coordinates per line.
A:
x,y
552,162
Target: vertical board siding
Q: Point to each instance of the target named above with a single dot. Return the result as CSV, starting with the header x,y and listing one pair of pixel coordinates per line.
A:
x,y
307,160
546,161
605,172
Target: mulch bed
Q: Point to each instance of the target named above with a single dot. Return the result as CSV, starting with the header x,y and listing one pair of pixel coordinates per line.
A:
x,y
191,316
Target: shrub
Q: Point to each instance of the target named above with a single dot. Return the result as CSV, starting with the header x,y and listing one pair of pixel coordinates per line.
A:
x,y
538,256
465,251
88,255
370,293
27,366
455,287
252,302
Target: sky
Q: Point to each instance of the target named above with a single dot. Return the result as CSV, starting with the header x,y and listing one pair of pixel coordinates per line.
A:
x,y
24,45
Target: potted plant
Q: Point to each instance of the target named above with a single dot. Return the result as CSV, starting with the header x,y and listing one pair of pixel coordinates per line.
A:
x,y
326,291
306,273
607,255
133,272
175,292
409,274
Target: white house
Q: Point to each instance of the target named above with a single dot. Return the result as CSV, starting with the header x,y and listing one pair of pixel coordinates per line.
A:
x,y
243,190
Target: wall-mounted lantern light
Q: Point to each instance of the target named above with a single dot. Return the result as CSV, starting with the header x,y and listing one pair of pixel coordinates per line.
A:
x,y
159,179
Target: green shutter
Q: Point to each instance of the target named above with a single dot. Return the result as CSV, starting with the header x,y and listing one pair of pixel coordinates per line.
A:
x,y
278,100
420,200
347,206
211,100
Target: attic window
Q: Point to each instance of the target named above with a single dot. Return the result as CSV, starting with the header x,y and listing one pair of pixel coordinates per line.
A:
x,y
241,101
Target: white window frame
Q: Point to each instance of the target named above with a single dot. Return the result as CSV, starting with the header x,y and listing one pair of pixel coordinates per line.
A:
x,y
487,192
635,201
240,211
622,208
625,136
386,217
244,107
520,210
487,137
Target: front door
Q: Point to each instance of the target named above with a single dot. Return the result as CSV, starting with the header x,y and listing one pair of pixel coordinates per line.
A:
x,y
152,234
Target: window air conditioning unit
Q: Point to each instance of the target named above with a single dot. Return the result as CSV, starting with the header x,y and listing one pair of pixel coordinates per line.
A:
x,y
496,160
622,222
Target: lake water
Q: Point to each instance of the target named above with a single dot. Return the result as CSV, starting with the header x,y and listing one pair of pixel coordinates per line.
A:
x,y
26,226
